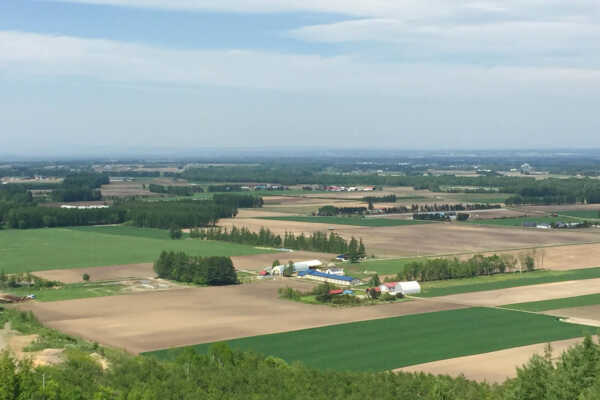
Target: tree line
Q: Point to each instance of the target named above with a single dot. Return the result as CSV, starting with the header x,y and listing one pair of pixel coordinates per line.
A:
x,y
239,200
316,241
175,190
49,217
444,268
182,213
390,198
212,271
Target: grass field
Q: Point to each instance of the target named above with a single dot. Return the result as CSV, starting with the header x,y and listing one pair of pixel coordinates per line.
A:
x,y
567,302
519,221
486,198
385,344
503,281
589,214
43,249
70,292
355,221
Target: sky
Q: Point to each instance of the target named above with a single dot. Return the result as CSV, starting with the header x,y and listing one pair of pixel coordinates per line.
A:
x,y
98,76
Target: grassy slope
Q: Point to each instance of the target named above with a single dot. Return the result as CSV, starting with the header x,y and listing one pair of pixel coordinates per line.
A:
x,y
389,343
567,302
503,281
42,249
351,221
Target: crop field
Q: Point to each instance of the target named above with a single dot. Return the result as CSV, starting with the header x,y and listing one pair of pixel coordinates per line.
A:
x,y
381,267
154,320
390,343
589,214
555,304
504,281
355,221
51,248
520,221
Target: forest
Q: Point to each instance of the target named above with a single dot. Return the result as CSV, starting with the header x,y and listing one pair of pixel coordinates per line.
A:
x,y
212,271
82,186
182,213
49,217
239,200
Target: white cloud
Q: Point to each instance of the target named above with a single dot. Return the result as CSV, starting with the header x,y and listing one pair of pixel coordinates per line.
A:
x,y
27,54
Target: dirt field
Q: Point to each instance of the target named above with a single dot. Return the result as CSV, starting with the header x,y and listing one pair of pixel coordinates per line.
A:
x,y
125,189
115,272
587,312
562,258
428,239
554,208
494,367
523,294
151,321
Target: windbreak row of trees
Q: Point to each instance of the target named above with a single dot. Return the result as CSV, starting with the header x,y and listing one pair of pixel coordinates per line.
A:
x,y
390,198
47,217
175,190
444,268
213,271
182,213
317,241
239,200
330,211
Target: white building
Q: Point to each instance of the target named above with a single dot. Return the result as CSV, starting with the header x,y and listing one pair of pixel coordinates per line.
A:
x,y
405,288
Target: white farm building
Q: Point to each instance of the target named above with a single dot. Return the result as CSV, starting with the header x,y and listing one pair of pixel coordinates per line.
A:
x,y
405,288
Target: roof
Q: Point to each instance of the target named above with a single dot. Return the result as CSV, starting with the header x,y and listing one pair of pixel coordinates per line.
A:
x,y
336,291
330,276
391,285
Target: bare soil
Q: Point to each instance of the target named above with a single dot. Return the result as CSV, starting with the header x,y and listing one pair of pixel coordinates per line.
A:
x,y
494,367
112,273
586,312
151,321
125,189
523,294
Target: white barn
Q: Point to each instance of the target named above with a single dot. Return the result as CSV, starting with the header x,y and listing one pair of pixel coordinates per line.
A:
x,y
406,288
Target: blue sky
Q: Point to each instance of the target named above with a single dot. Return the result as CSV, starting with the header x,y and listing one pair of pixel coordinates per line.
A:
x,y
98,75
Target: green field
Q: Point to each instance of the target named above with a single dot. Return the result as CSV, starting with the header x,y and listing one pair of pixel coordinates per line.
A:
x,y
520,220
355,221
69,292
385,344
51,248
485,198
503,281
589,214
567,302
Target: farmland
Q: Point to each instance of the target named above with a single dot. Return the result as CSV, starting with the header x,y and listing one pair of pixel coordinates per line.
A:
x,y
43,249
403,341
355,221
567,302
504,281
520,221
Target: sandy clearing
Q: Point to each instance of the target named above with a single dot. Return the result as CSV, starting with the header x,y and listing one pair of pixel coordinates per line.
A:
x,y
523,294
150,321
114,272
585,313
494,367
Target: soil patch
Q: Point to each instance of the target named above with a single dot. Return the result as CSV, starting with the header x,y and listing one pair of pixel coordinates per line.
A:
x,y
151,321
494,367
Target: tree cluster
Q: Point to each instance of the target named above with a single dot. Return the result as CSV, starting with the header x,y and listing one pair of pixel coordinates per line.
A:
x,y
182,213
444,268
49,217
175,190
329,211
80,187
224,188
239,200
213,271
390,198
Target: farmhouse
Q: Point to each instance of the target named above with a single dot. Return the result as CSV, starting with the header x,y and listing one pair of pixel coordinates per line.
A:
x,y
336,279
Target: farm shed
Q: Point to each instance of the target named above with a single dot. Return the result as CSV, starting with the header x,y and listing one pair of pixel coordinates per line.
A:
x,y
298,266
411,287
336,279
